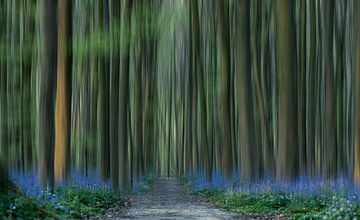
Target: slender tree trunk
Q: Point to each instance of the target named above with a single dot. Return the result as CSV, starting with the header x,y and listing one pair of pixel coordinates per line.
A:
x,y
287,150
139,108
329,119
124,101
301,86
114,104
225,85
47,92
3,115
27,120
63,93
246,132
170,130
105,100
357,97
310,88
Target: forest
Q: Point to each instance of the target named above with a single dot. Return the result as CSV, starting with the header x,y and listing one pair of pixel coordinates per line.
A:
x,y
250,105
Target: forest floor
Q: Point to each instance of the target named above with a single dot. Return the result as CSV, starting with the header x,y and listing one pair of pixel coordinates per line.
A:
x,y
169,200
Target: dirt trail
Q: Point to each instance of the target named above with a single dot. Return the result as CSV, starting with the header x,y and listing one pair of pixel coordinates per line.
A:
x,y
168,200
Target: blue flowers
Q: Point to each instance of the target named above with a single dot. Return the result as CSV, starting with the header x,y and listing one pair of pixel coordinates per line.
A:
x,y
81,196
328,199
30,185
340,208
218,181
303,186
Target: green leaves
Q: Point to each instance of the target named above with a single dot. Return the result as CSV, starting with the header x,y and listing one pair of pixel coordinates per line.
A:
x,y
75,203
294,205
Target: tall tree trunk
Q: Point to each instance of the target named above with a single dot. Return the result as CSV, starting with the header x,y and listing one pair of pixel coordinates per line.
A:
x,y
170,126
287,149
139,107
105,99
310,88
3,115
47,92
114,105
329,120
357,97
63,93
246,132
225,85
197,70
301,89
124,101
28,26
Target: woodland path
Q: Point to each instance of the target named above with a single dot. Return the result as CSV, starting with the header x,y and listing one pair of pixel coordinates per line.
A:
x,y
169,200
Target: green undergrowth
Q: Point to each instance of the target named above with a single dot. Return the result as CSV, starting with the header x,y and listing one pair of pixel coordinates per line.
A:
x,y
188,184
74,203
146,186
295,205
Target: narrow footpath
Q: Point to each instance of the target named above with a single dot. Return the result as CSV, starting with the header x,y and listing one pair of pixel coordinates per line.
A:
x,y
169,200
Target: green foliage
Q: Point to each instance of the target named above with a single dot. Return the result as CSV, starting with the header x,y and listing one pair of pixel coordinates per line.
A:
x,y
83,203
20,207
211,195
76,203
295,205
147,186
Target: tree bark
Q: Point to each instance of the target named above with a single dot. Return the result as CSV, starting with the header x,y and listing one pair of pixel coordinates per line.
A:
x,y
63,93
47,92
105,99
124,101
114,104
287,150
225,85
357,98
246,132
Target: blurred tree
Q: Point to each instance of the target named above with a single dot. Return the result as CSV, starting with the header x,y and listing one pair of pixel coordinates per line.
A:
x,y
47,92
3,115
357,96
63,92
225,86
114,97
329,144
285,63
104,95
27,36
124,101
310,88
246,129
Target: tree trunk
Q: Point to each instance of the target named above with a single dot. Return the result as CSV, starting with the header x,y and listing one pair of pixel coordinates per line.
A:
x,y
47,92
114,104
310,89
124,101
63,93
225,85
3,115
105,99
287,150
357,98
246,132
